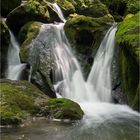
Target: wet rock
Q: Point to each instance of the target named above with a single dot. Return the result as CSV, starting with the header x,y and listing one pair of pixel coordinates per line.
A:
x,y
7,6
127,38
31,11
85,35
63,109
5,41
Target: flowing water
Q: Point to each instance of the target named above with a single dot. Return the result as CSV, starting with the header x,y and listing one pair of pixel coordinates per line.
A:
x,y
15,67
103,120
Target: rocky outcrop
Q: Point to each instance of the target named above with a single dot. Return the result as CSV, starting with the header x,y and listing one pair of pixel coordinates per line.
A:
x,y
127,38
5,41
19,101
85,35
7,6
63,109
31,11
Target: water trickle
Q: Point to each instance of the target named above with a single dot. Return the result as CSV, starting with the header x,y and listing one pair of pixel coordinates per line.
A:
x,y
14,65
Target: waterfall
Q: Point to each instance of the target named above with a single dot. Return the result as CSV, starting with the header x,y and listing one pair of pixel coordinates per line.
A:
x,y
93,95
59,12
14,65
99,76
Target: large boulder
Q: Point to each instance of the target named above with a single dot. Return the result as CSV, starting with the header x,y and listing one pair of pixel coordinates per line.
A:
x,y
85,34
19,101
127,38
36,51
63,109
5,41
7,6
32,10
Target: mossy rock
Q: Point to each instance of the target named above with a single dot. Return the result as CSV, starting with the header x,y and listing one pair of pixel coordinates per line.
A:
x,y
117,8
92,8
64,109
32,10
133,6
5,41
19,100
27,33
7,6
85,35
128,34
127,38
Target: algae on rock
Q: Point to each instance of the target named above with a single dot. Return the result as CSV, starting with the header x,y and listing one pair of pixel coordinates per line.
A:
x,y
62,108
127,38
19,100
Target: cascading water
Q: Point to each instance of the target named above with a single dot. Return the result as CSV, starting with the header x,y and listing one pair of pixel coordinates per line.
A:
x,y
14,66
93,95
59,12
103,120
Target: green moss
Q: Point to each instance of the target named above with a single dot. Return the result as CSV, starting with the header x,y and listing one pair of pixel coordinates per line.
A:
x,y
18,101
127,38
27,33
128,33
32,10
64,109
133,6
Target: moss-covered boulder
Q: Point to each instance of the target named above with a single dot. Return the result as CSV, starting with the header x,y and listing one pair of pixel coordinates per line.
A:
x,y
19,100
85,35
63,109
32,10
92,8
127,38
5,40
7,6
27,33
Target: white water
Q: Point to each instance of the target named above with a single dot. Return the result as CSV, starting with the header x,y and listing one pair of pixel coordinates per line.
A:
x,y
14,66
93,95
59,12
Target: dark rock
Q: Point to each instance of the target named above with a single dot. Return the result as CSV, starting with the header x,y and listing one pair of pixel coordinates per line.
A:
x,y
5,41
7,6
